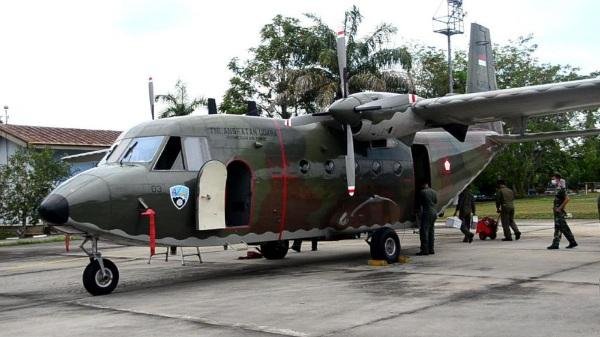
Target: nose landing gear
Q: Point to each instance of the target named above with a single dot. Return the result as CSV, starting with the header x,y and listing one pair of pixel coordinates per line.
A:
x,y
101,275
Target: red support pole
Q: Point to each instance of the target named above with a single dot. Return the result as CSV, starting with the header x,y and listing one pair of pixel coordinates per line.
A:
x,y
150,213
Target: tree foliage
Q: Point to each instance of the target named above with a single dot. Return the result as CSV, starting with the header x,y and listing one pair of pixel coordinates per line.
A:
x,y
179,104
29,176
294,69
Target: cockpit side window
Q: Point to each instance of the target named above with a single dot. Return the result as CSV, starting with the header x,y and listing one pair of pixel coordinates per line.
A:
x,y
172,156
196,152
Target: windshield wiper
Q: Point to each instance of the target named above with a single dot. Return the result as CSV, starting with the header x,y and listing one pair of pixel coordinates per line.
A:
x,y
128,153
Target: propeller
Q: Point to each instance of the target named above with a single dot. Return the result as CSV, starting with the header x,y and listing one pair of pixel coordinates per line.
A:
x,y
151,95
350,163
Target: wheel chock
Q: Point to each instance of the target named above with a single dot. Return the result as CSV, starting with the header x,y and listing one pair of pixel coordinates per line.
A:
x,y
403,259
378,263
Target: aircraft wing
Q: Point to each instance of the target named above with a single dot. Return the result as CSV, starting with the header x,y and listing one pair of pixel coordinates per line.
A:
x,y
509,104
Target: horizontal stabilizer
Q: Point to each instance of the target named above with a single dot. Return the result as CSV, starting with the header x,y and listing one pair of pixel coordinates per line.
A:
x,y
533,137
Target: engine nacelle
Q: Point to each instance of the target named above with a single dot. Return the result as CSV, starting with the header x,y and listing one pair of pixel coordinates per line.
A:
x,y
400,124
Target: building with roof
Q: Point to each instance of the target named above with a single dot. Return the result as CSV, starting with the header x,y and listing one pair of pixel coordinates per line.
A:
x,y
65,142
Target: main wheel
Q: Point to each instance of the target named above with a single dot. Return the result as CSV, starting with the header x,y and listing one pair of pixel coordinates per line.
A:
x,y
385,245
275,250
482,236
493,236
96,283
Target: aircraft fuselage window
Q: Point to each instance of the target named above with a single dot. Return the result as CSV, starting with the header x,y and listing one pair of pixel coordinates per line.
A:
x,y
376,167
171,157
397,169
196,152
304,166
329,166
141,150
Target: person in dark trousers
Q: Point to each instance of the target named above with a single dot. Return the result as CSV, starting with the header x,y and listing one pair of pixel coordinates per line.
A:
x,y
560,224
297,245
505,206
426,203
466,209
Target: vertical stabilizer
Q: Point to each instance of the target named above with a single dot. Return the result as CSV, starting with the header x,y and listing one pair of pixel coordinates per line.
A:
x,y
481,72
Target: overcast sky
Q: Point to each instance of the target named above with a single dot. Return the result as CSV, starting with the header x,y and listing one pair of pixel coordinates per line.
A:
x,y
85,64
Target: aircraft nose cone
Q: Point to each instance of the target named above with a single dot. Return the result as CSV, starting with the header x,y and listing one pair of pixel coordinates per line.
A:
x,y
54,209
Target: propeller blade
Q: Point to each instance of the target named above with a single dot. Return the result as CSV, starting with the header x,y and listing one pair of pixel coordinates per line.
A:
x,y
151,96
350,163
341,55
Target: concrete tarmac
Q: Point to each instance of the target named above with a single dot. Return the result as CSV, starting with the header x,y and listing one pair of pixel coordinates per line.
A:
x,y
487,288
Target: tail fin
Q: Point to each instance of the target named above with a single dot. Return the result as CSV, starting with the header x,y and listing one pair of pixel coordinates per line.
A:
x,y
481,72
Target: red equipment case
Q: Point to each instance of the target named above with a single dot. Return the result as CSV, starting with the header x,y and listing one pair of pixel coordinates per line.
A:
x,y
487,228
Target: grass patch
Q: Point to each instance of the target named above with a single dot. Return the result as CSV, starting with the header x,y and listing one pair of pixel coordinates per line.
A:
x,y
580,206
30,241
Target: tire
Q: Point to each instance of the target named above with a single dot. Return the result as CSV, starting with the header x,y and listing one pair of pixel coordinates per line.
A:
x,y
493,236
93,281
275,250
385,245
482,236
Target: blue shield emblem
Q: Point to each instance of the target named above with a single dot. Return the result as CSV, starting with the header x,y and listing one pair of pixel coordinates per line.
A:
x,y
179,195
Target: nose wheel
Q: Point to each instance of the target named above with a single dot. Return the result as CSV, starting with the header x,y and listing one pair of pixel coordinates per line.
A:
x,y
101,275
97,282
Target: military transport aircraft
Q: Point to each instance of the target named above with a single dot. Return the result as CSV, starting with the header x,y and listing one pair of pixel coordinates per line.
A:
x,y
226,179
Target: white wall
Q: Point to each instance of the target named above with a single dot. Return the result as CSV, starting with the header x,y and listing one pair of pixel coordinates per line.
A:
x,y
4,145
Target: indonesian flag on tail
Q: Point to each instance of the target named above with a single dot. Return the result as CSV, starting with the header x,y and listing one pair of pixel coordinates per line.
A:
x,y
482,60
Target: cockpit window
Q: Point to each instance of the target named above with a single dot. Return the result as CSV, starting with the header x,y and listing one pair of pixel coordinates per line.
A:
x,y
172,157
115,151
141,150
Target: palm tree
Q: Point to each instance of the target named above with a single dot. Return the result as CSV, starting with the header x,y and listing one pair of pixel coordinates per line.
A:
x,y
178,104
367,60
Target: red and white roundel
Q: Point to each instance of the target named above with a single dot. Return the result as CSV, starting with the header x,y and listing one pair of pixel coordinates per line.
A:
x,y
447,165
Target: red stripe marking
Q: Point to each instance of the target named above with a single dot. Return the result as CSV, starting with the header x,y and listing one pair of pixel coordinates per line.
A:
x,y
284,182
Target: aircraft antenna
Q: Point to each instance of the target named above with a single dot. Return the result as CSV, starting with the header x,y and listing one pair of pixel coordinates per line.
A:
x,y
151,96
5,115
450,23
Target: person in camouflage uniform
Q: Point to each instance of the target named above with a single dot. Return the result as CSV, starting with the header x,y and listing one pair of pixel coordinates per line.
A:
x,y
560,224
426,203
466,209
505,206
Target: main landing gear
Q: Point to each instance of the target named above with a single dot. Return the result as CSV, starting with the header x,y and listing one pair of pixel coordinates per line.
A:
x,y
275,250
385,245
101,275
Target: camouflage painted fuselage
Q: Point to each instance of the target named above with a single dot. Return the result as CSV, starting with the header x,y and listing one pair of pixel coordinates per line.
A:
x,y
298,186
